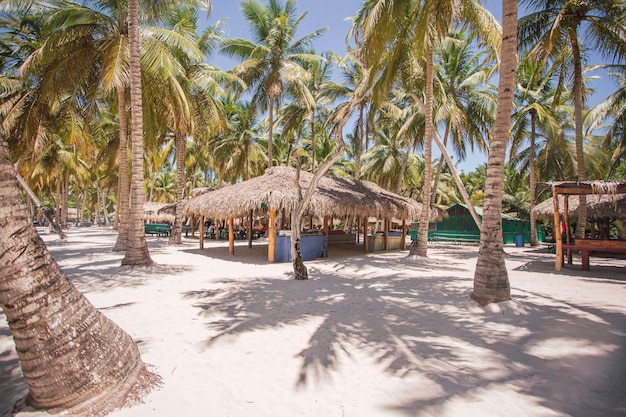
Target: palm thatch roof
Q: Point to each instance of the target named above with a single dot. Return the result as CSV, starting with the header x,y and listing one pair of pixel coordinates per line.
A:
x,y
151,213
170,209
605,206
335,196
599,187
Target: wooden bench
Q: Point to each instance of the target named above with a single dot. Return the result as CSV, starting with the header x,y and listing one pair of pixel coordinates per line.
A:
x,y
159,229
594,245
453,236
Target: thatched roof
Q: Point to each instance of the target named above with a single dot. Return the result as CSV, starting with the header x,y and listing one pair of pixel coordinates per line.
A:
x,y
605,206
170,209
335,196
599,187
151,213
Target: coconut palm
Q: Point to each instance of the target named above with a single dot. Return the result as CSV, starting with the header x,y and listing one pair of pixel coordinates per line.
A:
x,y
534,100
491,280
43,308
560,32
464,98
274,58
415,27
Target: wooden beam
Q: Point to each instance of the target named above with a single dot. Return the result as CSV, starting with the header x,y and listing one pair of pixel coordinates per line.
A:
x,y
403,234
271,241
250,224
365,233
231,236
201,237
386,234
326,233
568,232
558,263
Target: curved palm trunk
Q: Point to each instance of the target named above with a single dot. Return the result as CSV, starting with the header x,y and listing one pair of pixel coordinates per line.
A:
x,y
124,192
313,142
176,236
420,245
578,120
300,270
439,167
533,182
137,253
491,280
73,357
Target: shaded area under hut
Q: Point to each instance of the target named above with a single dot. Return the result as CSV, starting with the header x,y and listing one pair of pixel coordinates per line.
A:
x,y
605,202
273,196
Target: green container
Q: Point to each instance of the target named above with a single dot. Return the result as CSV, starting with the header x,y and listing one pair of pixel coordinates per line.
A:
x,y
413,234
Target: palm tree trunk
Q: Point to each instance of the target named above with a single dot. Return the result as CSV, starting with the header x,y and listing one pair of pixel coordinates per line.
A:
x,y
420,245
176,236
578,120
137,253
124,192
270,137
439,167
533,181
313,142
73,357
491,281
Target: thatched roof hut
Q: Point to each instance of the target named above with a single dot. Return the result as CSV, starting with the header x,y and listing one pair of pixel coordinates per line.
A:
x,y
605,206
335,196
151,213
170,209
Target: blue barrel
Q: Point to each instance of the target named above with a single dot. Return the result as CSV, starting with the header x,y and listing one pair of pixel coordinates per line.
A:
x,y
519,240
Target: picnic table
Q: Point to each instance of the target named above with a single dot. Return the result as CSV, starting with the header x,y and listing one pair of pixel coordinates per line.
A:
x,y
159,229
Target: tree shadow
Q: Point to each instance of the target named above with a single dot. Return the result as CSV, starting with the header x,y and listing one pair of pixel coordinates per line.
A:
x,y
426,325
13,388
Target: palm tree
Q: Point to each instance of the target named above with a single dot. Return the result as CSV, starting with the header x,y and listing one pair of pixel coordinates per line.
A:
x,y
534,99
464,98
551,32
275,59
491,280
43,308
415,28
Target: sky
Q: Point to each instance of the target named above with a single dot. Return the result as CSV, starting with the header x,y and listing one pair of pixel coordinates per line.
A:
x,y
334,15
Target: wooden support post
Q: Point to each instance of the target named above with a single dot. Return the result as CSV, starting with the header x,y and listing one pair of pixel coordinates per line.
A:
x,y
250,224
193,225
326,233
201,237
271,241
403,234
558,263
386,234
365,233
231,236
568,232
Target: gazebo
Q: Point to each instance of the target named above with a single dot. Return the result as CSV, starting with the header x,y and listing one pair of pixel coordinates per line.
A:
x,y
277,192
602,195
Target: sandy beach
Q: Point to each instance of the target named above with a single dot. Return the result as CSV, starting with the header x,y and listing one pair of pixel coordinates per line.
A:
x,y
366,335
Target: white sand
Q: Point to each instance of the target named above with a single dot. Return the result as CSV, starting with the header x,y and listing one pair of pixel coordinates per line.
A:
x,y
367,335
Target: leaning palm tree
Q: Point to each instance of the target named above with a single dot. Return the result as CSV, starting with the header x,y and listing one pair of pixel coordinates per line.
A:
x,y
491,279
275,59
551,32
62,340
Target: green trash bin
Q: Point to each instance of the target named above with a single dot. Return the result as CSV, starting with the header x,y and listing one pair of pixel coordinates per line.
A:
x,y
413,234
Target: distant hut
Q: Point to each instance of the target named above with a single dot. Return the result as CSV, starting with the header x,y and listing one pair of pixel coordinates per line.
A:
x,y
151,213
276,192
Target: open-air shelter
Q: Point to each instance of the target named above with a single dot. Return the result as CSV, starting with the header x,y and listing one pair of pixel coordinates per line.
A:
x,y
602,194
276,193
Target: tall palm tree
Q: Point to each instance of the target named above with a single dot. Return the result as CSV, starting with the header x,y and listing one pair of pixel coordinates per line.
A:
x,y
275,59
415,27
534,99
44,308
491,279
552,32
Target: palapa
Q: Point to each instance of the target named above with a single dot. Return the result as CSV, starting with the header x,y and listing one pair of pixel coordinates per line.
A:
x,y
151,213
599,207
335,196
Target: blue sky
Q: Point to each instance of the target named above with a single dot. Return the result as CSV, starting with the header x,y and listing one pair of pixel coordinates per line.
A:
x,y
334,14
